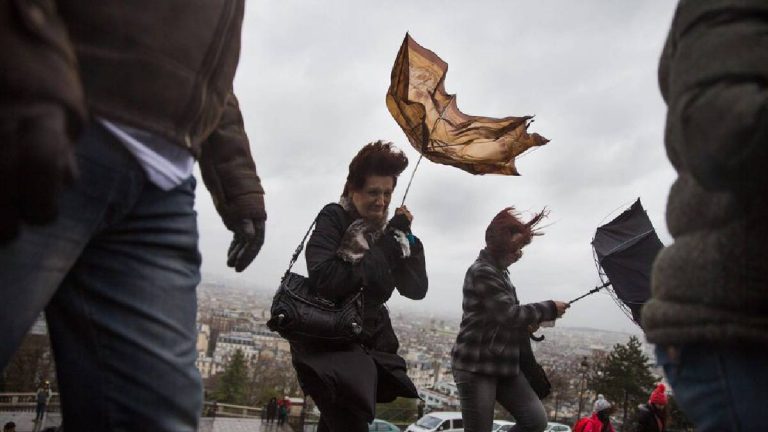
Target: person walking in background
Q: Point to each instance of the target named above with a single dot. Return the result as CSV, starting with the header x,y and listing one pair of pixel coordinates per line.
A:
x,y
105,108
9,427
652,417
494,327
42,397
283,408
600,421
354,246
707,313
271,409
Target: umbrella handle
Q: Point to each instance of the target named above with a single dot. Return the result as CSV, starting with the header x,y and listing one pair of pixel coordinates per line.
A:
x,y
592,291
421,155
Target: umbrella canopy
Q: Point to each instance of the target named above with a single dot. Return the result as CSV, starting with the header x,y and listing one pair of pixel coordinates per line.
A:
x,y
625,249
437,129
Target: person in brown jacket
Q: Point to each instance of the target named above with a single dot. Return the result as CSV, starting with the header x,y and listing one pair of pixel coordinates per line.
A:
x,y
104,108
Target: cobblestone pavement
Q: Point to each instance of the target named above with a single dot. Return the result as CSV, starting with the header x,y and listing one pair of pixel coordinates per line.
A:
x,y
25,423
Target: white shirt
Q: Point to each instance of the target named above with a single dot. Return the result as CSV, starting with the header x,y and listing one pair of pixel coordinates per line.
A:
x,y
167,165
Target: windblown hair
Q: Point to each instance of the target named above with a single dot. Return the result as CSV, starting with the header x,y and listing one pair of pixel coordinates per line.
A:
x,y
507,223
380,158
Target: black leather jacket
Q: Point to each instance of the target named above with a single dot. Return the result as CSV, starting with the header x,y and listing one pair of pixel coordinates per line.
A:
x,y
380,272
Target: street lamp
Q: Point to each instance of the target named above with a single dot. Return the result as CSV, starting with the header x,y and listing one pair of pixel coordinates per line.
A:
x,y
584,366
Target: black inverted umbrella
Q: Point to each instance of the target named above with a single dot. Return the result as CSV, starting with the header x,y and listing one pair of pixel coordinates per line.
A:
x,y
624,250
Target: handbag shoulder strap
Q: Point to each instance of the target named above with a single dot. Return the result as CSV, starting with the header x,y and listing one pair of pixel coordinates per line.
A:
x,y
299,248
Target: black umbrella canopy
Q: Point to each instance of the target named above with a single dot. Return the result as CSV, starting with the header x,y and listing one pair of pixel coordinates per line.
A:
x,y
625,249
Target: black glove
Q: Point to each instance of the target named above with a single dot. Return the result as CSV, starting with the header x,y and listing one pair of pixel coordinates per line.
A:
x,y
400,222
246,243
36,161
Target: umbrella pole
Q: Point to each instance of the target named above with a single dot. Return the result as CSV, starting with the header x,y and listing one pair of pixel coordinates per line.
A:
x,y
411,179
592,291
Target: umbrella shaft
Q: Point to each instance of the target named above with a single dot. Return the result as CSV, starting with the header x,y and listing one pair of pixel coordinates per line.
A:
x,y
407,188
592,291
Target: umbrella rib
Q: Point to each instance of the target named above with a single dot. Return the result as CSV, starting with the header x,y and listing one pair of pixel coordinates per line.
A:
x,y
615,249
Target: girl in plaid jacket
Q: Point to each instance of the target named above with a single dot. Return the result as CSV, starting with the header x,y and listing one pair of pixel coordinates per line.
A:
x,y
493,327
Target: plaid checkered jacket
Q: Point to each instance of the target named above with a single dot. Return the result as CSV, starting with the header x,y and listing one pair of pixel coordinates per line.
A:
x,y
494,323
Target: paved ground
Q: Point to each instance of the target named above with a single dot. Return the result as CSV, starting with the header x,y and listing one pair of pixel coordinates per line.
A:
x,y
24,423
241,425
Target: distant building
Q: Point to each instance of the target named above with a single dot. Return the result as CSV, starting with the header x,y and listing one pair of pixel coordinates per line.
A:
x,y
203,337
444,396
228,343
40,327
206,366
254,347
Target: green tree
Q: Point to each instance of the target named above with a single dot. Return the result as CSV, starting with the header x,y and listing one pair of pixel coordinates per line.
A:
x,y
562,388
271,377
399,411
233,386
624,377
30,366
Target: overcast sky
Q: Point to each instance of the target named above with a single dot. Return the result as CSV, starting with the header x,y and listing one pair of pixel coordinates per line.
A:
x,y
312,81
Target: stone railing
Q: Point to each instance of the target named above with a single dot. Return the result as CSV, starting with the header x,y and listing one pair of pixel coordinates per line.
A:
x,y
22,402
216,409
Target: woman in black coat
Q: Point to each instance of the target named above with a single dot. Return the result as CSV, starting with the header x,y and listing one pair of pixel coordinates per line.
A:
x,y
494,332
652,417
354,246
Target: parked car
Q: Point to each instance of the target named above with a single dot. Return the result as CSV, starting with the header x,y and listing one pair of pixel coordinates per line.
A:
x,y
501,426
442,421
557,427
378,425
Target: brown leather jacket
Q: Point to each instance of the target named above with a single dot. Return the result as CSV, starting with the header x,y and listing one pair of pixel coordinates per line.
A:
x,y
162,66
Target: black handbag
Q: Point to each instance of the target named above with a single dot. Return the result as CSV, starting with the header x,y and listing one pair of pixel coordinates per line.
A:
x,y
298,314
533,371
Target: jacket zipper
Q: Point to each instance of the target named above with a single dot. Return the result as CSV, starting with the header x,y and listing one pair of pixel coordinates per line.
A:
x,y
210,62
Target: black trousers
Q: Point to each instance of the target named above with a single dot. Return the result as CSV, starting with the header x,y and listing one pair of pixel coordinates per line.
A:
x,y
335,418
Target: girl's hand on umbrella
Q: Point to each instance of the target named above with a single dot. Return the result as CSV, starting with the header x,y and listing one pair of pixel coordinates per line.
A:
x,y
403,210
561,307
533,328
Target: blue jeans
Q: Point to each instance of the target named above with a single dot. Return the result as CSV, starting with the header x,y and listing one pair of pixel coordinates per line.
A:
x,y
718,388
478,394
40,410
116,274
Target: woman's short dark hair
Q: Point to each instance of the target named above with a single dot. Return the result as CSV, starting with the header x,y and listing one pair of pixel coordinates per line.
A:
x,y
507,223
379,158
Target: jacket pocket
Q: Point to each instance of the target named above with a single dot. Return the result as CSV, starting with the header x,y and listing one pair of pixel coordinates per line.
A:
x,y
496,345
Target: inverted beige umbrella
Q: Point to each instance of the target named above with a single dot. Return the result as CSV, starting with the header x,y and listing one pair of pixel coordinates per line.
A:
x,y
437,129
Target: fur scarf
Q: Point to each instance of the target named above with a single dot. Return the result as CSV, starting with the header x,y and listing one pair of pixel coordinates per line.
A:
x,y
362,233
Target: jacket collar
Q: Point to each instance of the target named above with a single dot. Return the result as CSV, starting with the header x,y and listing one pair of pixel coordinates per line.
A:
x,y
487,257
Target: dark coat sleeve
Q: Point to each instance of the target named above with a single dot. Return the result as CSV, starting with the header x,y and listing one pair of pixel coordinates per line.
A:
x,y
38,67
379,271
228,169
645,421
501,306
713,76
411,275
